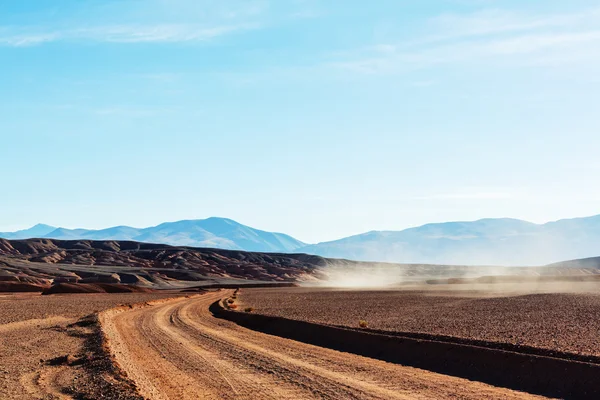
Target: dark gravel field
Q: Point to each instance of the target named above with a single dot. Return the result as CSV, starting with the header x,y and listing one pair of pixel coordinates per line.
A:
x,y
567,322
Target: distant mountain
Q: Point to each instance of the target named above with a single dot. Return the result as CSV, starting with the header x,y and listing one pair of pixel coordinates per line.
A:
x,y
483,242
39,230
212,232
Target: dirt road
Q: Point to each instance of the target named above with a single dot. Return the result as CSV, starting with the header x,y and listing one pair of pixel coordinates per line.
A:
x,y
178,350
41,336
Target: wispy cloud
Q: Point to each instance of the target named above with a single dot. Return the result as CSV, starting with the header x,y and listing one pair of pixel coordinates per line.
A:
x,y
495,21
157,33
156,21
133,111
160,33
26,39
491,35
150,21
468,195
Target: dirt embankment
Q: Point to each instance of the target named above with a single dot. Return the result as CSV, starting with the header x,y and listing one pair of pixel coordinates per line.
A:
x,y
62,288
563,322
548,373
19,287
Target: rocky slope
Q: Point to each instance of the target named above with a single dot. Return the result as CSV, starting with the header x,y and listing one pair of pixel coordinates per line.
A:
x,y
40,262
36,261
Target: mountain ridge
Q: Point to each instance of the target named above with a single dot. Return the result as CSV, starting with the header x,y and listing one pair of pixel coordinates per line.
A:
x,y
487,241
212,232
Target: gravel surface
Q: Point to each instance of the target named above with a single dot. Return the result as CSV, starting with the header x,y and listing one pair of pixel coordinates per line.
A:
x,y
47,353
565,322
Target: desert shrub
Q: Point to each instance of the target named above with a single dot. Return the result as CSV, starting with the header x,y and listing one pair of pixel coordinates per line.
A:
x,y
363,324
230,301
249,309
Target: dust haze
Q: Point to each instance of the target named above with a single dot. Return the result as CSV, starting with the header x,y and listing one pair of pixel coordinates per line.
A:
x,y
559,278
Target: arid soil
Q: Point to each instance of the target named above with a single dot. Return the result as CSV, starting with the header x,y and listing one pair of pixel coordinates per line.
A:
x,y
50,350
567,322
94,288
178,350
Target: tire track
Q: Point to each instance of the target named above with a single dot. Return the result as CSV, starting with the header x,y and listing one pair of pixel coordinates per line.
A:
x,y
178,350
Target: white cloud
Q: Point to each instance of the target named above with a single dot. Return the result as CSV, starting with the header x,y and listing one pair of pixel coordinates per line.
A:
x,y
156,21
160,33
469,196
150,21
132,111
155,33
490,22
25,40
493,35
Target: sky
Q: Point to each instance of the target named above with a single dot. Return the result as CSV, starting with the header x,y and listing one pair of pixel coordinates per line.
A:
x,y
317,118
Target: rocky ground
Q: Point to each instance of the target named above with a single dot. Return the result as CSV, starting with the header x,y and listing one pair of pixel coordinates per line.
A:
x,y
40,261
567,322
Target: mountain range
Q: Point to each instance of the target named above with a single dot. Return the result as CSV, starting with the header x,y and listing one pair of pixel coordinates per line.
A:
x,y
485,242
221,233
501,241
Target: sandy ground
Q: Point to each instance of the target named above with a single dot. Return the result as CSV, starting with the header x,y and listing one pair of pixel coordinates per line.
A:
x,y
35,329
567,322
178,350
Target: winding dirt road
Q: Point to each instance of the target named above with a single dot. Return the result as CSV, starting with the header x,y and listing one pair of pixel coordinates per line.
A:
x,y
178,350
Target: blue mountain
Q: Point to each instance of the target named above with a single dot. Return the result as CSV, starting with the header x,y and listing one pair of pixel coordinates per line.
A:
x,y
211,232
37,231
501,241
484,242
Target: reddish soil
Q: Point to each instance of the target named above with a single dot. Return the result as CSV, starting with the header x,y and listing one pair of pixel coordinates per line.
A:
x,y
179,350
94,288
566,322
21,287
49,349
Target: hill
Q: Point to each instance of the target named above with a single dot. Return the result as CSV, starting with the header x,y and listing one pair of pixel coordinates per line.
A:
x,y
483,242
39,230
38,261
211,232
499,242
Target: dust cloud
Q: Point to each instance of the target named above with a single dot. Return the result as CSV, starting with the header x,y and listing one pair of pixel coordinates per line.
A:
x,y
492,279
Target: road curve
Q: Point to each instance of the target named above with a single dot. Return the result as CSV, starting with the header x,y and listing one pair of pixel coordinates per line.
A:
x,y
178,350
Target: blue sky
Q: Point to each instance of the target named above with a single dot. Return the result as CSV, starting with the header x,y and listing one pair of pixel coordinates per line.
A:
x,y
317,118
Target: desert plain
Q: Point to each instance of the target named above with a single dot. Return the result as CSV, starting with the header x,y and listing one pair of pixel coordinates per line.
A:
x,y
184,323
